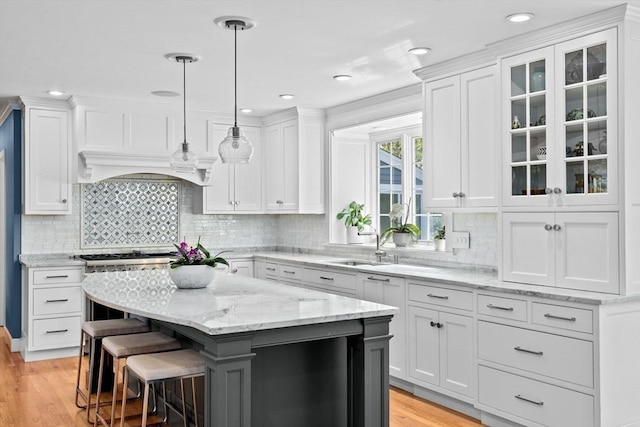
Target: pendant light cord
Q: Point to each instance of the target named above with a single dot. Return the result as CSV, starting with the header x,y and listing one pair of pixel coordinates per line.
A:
x,y
235,75
184,97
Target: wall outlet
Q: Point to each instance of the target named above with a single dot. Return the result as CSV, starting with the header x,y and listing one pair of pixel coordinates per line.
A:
x,y
459,239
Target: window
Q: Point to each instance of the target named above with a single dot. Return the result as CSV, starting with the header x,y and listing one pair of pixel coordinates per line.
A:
x,y
399,162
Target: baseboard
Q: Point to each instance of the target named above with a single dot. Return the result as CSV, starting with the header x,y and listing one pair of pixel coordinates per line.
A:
x,y
14,343
33,356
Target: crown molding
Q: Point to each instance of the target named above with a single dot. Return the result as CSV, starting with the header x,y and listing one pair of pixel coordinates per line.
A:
x,y
7,109
292,113
52,104
474,60
559,32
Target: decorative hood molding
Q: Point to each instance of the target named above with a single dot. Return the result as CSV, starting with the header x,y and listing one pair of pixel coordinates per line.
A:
x,y
97,165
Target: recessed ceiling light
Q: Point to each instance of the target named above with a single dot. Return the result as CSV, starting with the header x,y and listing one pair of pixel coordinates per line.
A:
x,y
164,93
286,96
246,110
419,50
342,77
520,17
55,93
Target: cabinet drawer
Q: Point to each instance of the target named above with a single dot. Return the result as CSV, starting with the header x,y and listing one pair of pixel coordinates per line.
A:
x,y
56,333
57,300
557,316
332,279
506,308
534,400
289,273
71,275
271,269
563,358
441,296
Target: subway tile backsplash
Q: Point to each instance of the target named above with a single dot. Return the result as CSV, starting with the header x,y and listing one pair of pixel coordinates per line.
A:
x,y
247,233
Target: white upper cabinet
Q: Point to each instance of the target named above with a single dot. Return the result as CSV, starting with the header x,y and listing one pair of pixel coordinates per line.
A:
x,y
234,188
294,162
460,119
47,146
560,124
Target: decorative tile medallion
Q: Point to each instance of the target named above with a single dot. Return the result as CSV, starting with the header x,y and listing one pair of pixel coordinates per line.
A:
x,y
130,213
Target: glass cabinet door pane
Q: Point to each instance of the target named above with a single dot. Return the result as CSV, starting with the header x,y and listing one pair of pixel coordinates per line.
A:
x,y
518,148
597,100
597,136
538,143
574,104
597,62
574,137
575,177
538,179
597,176
519,181
537,76
574,65
537,111
518,80
519,113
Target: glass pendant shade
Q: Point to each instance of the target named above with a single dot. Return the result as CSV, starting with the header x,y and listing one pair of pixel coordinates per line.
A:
x,y
235,148
184,160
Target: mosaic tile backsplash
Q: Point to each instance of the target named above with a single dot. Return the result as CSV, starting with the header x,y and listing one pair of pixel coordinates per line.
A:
x,y
132,212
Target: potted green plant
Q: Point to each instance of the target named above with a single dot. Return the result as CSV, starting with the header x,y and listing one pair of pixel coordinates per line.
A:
x,y
439,239
195,268
402,231
355,220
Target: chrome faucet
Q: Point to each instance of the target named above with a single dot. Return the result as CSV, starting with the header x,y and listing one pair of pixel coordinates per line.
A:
x,y
378,253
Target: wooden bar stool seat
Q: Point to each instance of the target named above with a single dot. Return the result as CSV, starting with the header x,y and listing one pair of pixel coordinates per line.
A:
x,y
96,330
161,367
123,346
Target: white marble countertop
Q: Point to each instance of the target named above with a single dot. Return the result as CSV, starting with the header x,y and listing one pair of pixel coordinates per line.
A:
x,y
473,278
49,260
231,304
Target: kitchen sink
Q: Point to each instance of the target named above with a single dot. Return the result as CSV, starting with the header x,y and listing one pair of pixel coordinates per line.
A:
x,y
353,262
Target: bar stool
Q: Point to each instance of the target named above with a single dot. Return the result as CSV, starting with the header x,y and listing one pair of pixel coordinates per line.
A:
x,y
96,330
123,346
161,367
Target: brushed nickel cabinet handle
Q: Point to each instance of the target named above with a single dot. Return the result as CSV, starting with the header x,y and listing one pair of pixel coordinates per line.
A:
x,y
58,300
524,350
497,307
552,316
61,276
326,278
438,296
535,402
288,271
271,269
58,331
375,279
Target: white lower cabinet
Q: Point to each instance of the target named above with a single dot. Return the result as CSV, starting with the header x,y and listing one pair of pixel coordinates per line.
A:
x,y
390,291
440,346
52,312
332,281
574,250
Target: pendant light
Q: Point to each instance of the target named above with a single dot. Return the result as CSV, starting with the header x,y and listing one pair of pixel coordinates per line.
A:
x,y
235,148
184,160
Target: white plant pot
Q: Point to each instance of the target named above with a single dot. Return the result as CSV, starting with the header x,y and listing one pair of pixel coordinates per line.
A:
x,y
353,237
192,276
401,239
440,244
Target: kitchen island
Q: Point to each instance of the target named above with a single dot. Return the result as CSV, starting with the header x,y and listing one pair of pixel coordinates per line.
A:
x,y
275,355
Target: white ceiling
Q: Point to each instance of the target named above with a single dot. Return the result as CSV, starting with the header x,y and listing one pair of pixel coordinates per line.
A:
x,y
116,48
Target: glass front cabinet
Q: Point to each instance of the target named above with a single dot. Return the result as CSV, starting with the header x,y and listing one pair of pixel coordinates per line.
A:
x,y
560,124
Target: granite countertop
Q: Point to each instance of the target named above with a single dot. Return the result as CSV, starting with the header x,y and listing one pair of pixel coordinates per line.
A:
x,y
471,278
231,304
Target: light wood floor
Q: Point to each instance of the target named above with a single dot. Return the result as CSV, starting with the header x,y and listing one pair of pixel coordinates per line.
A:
x,y
42,394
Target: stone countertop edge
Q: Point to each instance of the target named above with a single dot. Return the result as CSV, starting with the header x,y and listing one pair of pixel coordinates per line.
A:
x,y
463,277
231,304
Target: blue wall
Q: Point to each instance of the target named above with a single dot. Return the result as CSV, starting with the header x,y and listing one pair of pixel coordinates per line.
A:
x,y
11,142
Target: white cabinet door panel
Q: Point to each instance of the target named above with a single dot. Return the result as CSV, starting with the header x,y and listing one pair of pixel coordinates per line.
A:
x,y
424,353
456,353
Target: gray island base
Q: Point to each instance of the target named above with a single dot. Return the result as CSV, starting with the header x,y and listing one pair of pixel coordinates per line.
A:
x,y
275,355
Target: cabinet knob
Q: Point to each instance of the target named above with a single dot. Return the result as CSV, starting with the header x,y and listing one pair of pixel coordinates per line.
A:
x,y
548,190
432,323
439,325
64,200
455,195
557,190
231,202
237,202
556,227
234,271
548,227
461,194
